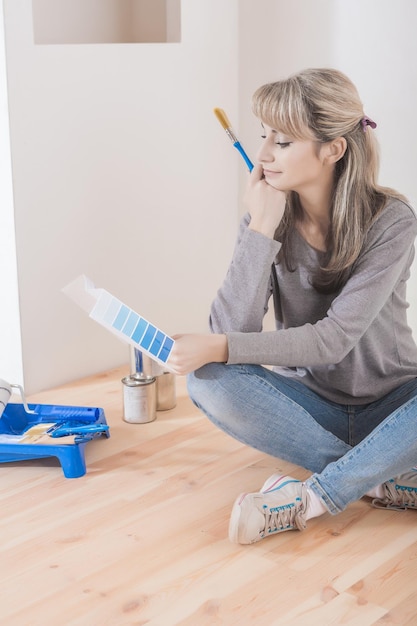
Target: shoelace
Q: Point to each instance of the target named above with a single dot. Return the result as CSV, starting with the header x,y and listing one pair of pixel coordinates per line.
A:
x,y
400,499
406,496
282,518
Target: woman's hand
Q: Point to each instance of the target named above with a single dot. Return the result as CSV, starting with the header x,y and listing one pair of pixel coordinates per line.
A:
x,y
265,203
193,351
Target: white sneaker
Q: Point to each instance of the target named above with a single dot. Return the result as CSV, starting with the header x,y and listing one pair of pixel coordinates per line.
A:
x,y
399,493
279,507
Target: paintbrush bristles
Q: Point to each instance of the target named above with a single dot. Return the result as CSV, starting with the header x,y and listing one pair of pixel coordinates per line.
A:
x,y
222,117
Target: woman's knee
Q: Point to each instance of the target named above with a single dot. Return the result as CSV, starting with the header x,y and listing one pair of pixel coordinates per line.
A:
x,y
203,382
227,382
217,389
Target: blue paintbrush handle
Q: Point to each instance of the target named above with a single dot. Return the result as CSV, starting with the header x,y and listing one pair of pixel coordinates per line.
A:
x,y
244,155
76,429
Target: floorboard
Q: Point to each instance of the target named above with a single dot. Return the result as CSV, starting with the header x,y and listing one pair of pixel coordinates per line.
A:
x,y
141,538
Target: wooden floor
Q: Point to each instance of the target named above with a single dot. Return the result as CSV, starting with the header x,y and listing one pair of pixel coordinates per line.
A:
x,y
142,537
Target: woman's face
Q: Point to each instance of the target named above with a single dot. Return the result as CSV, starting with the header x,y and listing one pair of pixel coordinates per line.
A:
x,y
291,164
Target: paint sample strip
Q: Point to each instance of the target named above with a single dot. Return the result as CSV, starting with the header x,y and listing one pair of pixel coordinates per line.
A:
x,y
131,327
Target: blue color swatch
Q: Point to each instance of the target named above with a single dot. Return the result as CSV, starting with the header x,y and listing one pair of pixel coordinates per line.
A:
x,y
122,320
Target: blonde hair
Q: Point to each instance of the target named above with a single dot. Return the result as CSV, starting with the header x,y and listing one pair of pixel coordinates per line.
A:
x,y
321,105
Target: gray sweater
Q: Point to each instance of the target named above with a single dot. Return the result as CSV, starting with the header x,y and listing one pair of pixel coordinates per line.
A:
x,y
351,348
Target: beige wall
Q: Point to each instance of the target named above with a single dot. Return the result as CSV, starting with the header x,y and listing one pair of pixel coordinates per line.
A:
x,y
105,21
79,21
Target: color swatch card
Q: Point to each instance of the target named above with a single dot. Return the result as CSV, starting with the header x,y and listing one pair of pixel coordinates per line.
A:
x,y
119,319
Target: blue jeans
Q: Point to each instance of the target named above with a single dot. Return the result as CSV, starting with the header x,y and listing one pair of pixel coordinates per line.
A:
x,y
349,448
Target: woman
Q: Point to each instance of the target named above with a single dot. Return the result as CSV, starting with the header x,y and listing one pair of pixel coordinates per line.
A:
x,y
334,250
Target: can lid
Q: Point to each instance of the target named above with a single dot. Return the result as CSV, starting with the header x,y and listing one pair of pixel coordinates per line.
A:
x,y
136,380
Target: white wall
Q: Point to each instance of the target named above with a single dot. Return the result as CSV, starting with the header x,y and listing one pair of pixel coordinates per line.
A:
x,y
377,47
121,172
11,367
373,41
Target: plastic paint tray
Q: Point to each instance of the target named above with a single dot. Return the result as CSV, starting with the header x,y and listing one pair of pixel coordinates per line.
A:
x,y
15,420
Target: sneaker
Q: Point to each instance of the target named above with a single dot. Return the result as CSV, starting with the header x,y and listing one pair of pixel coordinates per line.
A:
x,y
279,508
272,482
400,493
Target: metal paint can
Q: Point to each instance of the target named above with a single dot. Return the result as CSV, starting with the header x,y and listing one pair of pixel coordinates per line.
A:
x,y
142,365
139,399
166,397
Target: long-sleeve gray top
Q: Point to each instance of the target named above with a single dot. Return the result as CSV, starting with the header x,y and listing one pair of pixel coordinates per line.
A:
x,y
353,347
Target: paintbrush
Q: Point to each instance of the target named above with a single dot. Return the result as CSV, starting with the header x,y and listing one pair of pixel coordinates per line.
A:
x,y
222,117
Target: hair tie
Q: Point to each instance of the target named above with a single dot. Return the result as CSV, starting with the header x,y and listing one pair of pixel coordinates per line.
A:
x,y
366,121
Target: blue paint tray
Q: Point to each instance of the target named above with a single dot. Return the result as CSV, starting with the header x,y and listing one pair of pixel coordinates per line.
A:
x,y
50,430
